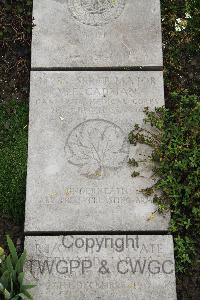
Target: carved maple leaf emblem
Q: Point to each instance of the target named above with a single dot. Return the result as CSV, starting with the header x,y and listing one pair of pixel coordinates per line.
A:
x,y
96,146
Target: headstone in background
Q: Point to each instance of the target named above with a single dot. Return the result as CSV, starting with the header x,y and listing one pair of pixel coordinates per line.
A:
x,y
101,267
78,173
112,33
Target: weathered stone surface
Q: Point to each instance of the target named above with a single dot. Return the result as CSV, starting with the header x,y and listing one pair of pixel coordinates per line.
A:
x,y
78,176
89,33
101,267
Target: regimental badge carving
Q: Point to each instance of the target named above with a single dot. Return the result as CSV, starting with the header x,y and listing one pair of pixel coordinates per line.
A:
x,y
97,147
96,12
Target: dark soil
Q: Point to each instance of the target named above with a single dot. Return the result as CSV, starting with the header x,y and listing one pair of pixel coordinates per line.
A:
x,y
188,286
15,44
14,231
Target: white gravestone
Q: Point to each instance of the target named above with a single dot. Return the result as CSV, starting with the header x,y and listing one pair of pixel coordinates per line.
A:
x,y
78,173
106,267
96,33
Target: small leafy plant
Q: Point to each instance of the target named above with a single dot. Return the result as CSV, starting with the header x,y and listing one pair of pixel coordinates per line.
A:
x,y
175,140
12,276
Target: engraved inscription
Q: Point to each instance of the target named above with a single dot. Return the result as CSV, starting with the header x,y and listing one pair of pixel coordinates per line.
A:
x,y
97,146
93,195
96,12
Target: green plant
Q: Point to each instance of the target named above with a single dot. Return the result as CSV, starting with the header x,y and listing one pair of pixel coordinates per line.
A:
x,y
181,47
13,157
175,141
12,276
